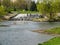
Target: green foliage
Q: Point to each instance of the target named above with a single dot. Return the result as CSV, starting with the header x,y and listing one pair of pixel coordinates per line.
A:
x,y
49,8
6,3
23,11
40,7
18,5
45,7
2,11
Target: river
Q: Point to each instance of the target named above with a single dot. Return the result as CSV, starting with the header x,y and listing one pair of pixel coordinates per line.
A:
x,y
20,32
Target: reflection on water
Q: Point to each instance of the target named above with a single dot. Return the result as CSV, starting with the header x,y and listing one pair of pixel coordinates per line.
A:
x,y
20,33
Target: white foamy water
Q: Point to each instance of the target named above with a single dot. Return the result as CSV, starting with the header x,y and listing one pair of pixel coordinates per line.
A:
x,y
20,15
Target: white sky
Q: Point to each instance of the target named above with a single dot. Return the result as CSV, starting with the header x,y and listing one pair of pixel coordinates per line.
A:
x,y
37,0
34,0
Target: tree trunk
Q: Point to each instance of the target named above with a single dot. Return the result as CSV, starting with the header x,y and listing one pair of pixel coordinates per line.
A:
x,y
51,17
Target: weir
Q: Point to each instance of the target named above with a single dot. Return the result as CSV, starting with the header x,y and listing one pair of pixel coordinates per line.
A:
x,y
25,17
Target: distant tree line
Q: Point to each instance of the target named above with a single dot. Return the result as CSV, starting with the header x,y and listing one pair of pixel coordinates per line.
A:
x,y
18,4
7,6
45,7
49,8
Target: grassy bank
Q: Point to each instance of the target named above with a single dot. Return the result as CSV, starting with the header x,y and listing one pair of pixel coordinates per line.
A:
x,y
25,12
53,30
54,41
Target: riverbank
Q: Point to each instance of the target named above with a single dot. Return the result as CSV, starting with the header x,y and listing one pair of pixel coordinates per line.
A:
x,y
8,16
53,41
41,20
52,31
2,19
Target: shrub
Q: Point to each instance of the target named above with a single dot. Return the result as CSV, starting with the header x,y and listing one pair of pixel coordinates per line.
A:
x,y
2,11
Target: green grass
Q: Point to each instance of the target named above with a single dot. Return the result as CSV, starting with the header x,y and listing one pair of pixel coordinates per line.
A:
x,y
53,30
33,12
54,41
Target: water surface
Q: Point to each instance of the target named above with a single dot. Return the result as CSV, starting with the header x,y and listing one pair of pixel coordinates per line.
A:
x,y
20,32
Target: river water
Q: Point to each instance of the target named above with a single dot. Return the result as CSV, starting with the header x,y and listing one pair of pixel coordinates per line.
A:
x,y
20,32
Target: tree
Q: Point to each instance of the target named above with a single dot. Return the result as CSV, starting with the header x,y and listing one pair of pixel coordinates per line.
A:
x,y
2,11
33,6
20,4
0,2
49,8
6,3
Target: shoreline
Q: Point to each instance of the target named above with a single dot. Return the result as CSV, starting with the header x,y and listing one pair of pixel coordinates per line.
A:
x,y
44,32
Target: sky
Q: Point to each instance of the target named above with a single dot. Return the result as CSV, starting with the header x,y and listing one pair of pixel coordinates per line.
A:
x,y
37,0
34,0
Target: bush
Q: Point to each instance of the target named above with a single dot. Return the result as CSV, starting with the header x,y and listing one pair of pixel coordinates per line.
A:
x,y
33,6
9,10
2,11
